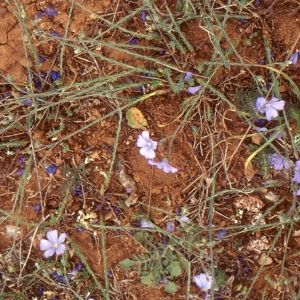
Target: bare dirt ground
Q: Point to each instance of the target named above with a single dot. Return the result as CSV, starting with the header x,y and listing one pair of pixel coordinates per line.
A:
x,y
79,137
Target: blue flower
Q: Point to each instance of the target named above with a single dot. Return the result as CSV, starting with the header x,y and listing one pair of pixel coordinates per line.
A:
x,y
78,190
270,108
54,76
194,89
294,58
21,160
54,244
278,162
57,34
188,76
51,12
134,41
170,226
296,177
27,102
221,234
36,207
147,145
164,165
143,16
20,172
146,224
51,169
203,281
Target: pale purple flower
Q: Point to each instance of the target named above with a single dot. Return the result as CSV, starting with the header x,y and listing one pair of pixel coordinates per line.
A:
x,y
20,172
221,234
147,145
203,281
184,219
164,165
294,58
188,76
146,224
36,207
54,244
269,107
51,169
51,12
27,102
297,193
296,177
143,16
194,89
278,162
278,135
262,129
170,226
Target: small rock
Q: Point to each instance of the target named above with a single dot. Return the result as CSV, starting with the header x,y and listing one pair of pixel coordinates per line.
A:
x,y
264,260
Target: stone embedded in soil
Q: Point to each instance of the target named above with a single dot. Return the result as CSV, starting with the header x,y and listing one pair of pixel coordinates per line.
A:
x,y
263,260
250,203
258,245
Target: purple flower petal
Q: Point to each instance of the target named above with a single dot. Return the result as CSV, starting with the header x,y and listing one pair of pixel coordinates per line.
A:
x,y
57,34
170,226
36,207
194,89
52,236
21,160
277,104
296,177
51,12
143,16
60,249
278,162
147,145
27,102
260,104
146,224
271,113
20,172
51,169
297,168
203,281
134,41
256,3
188,76
221,234
49,252
54,76
164,165
45,244
78,190
294,58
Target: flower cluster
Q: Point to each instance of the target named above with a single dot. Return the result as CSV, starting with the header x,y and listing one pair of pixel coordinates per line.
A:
x,y
148,146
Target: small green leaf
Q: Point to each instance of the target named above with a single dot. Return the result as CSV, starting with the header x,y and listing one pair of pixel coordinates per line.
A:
x,y
183,262
147,279
174,268
135,118
171,287
126,263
